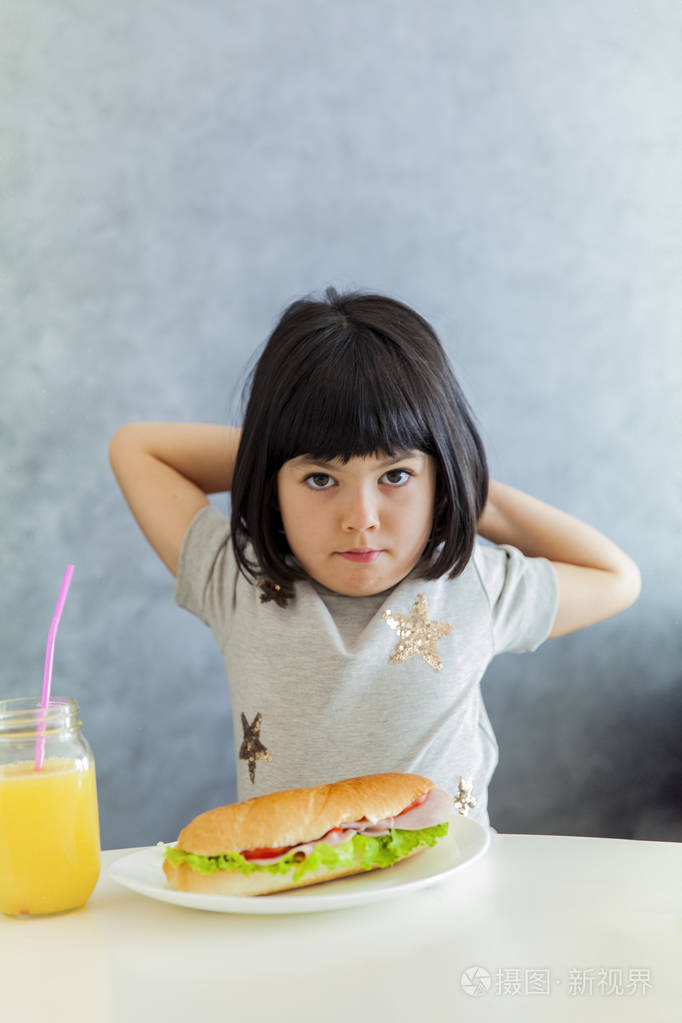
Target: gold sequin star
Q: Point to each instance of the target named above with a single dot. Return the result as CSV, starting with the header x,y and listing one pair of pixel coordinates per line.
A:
x,y
271,591
417,634
252,749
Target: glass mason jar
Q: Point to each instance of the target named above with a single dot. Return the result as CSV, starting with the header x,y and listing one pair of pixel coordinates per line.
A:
x,y
49,821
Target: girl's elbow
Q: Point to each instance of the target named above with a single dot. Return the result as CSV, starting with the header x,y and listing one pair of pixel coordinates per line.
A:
x,y
631,584
128,438
587,596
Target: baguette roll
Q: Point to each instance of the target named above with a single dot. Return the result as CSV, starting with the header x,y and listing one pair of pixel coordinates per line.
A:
x,y
290,818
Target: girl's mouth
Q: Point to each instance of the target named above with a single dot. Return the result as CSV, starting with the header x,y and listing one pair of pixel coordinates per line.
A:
x,y
361,555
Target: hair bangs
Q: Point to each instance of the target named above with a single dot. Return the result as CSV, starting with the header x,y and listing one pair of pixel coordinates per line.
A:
x,y
352,405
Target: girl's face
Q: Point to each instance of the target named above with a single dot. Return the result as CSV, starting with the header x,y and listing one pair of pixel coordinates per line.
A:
x,y
361,527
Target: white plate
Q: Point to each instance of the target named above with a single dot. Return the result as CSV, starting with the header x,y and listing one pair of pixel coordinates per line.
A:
x,y
465,842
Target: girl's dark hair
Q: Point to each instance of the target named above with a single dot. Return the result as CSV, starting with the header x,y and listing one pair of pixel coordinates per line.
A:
x,y
355,375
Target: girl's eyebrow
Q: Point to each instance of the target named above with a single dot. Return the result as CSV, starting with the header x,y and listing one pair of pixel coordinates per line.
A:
x,y
321,463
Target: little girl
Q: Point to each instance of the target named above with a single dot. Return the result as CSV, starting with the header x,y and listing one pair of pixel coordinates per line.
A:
x,y
355,610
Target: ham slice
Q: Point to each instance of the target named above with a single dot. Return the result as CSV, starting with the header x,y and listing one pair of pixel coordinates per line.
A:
x,y
331,838
436,809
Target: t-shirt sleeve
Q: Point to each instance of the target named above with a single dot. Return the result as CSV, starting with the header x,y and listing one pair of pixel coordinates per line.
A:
x,y
205,579
523,594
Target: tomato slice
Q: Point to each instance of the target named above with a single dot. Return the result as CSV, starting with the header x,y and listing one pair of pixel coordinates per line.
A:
x,y
265,854
418,802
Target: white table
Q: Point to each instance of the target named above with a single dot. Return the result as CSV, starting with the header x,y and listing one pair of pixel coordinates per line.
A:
x,y
592,926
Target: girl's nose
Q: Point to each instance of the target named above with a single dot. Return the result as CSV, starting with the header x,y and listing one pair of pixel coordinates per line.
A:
x,y
360,512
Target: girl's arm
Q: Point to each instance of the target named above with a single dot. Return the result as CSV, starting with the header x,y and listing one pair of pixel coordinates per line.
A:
x,y
596,578
165,471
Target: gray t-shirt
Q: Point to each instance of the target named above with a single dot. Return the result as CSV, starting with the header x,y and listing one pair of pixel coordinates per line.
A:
x,y
332,686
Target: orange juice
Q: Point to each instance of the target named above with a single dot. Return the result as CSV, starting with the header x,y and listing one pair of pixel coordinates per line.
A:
x,y
49,835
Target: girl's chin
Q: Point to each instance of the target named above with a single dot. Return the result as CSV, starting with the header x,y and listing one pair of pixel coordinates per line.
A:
x,y
359,580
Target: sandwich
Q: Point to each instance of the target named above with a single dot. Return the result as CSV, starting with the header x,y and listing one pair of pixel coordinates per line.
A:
x,y
305,836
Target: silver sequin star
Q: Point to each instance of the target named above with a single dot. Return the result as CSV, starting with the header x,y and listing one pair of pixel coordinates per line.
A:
x,y
464,800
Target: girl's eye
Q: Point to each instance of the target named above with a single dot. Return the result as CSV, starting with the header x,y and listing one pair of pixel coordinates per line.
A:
x,y
319,481
397,477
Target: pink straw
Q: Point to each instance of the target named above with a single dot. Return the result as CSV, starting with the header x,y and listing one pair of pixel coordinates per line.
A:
x,y
49,660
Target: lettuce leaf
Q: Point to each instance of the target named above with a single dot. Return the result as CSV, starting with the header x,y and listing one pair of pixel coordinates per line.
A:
x,y
362,850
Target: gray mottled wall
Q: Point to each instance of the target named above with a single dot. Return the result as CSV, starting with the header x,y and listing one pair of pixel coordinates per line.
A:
x,y
175,172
